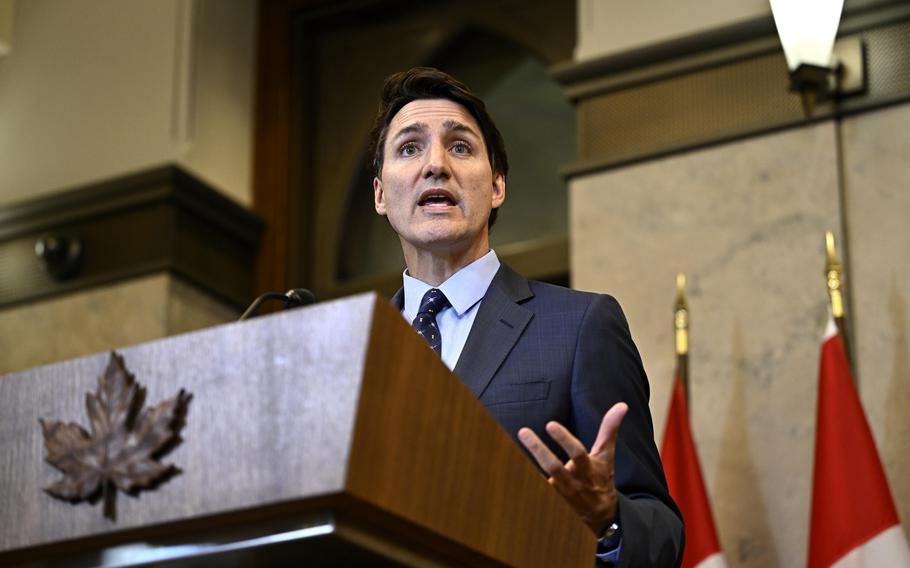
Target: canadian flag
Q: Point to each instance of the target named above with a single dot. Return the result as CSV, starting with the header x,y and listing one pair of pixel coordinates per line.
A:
x,y
854,522
687,487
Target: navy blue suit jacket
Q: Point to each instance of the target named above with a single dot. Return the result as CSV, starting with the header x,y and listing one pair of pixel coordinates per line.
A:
x,y
539,352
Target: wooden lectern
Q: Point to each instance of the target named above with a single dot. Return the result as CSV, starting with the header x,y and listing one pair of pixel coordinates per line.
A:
x,y
325,436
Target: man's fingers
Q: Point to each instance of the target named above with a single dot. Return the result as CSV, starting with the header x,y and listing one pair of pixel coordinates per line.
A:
x,y
609,428
586,482
544,457
570,444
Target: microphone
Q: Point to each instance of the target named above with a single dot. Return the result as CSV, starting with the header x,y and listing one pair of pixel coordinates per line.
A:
x,y
293,298
299,297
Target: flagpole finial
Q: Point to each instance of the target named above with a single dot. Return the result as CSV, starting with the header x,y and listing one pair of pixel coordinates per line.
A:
x,y
681,316
833,271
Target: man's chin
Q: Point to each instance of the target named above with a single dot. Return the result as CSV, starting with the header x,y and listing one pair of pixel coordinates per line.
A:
x,y
439,233
445,243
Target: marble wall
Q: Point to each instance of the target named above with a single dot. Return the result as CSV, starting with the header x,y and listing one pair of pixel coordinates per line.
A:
x,y
103,318
876,154
746,222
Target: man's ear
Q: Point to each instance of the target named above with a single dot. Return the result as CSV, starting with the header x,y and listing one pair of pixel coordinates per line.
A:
x,y
499,190
378,196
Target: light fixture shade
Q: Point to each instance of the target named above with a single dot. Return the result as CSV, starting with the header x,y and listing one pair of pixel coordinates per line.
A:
x,y
807,29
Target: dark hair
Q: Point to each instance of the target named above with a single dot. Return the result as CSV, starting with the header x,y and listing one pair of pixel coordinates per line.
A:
x,y
429,83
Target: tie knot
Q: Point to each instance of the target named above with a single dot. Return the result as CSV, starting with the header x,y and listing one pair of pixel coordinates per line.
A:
x,y
434,301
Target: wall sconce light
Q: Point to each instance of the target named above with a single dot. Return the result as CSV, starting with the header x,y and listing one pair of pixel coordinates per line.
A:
x,y
819,68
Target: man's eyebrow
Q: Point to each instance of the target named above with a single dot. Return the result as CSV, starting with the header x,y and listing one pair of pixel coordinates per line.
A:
x,y
455,126
416,127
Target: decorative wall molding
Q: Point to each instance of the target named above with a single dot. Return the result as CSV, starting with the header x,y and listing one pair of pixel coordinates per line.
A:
x,y
718,86
162,219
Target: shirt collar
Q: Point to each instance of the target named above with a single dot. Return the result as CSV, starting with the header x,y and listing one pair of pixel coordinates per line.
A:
x,y
463,289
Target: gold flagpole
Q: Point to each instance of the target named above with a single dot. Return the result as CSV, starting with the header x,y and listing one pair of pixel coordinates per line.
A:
x,y
834,271
681,325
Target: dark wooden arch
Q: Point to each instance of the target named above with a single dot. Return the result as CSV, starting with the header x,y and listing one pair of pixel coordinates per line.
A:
x,y
300,236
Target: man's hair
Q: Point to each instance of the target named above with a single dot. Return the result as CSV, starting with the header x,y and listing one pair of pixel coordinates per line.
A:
x,y
429,83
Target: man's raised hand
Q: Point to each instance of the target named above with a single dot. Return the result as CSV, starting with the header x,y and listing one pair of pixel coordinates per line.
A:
x,y
586,481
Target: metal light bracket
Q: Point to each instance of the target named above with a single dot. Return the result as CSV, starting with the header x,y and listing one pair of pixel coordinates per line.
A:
x,y
848,77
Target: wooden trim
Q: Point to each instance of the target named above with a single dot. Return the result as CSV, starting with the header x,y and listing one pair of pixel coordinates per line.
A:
x,y
163,219
677,52
650,112
274,198
271,159
133,190
586,167
711,48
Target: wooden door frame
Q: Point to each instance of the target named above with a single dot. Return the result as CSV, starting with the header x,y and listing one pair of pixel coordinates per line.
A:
x,y
277,197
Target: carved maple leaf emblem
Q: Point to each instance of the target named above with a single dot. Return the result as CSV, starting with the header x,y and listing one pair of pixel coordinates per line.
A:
x,y
125,440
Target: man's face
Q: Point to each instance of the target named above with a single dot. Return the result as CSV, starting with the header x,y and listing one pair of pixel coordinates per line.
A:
x,y
436,186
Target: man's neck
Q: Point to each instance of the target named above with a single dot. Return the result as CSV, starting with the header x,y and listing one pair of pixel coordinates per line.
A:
x,y
435,267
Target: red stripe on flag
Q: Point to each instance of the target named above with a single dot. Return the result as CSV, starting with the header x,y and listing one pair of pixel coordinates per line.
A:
x,y
684,478
851,502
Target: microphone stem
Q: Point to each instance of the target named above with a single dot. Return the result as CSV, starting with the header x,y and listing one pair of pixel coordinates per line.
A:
x,y
254,307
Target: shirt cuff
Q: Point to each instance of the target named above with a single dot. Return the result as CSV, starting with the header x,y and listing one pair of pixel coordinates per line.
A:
x,y
610,557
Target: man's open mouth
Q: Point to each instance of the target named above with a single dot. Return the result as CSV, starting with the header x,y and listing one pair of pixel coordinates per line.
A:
x,y
436,198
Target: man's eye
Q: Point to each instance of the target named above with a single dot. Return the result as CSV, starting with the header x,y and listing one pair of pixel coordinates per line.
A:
x,y
408,150
461,148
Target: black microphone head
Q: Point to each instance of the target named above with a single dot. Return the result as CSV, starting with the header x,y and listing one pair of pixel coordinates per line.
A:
x,y
300,297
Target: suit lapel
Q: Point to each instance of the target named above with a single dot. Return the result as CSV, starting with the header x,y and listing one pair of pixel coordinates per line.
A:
x,y
398,299
500,322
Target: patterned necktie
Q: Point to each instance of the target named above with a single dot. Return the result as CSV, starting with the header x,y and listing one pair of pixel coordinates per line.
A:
x,y
434,301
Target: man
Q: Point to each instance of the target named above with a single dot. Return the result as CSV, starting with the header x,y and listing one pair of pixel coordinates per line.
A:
x,y
539,357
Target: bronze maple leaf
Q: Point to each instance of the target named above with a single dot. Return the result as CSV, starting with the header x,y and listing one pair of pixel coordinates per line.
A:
x,y
125,440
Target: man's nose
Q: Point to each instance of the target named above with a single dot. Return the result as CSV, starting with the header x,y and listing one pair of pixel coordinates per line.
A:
x,y
437,161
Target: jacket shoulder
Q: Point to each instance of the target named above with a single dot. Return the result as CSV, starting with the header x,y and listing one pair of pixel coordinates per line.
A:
x,y
568,298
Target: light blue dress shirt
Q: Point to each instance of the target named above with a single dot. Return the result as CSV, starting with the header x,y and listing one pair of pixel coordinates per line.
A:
x,y
465,289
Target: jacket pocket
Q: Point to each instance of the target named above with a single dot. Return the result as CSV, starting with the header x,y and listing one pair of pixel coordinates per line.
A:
x,y
516,392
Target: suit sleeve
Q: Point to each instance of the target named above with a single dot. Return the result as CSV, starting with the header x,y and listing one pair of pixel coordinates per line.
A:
x,y
608,369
